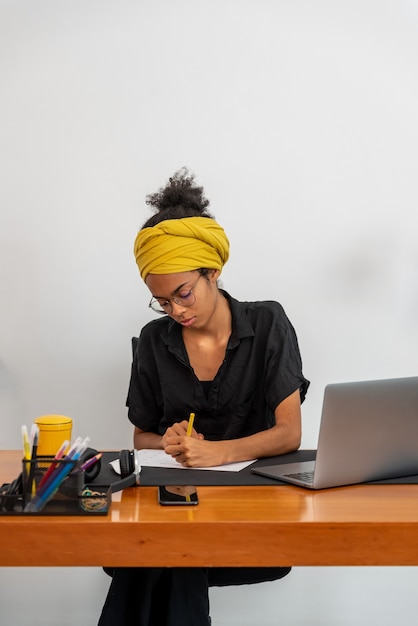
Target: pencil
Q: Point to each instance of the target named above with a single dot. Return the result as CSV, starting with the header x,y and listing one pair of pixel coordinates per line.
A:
x,y
91,461
190,425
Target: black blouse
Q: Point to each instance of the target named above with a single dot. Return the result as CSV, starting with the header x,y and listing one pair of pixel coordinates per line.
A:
x,y
262,367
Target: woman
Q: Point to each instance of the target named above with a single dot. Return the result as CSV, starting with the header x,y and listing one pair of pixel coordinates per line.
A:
x,y
236,365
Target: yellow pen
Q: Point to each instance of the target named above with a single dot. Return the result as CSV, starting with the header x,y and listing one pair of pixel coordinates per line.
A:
x,y
26,445
190,425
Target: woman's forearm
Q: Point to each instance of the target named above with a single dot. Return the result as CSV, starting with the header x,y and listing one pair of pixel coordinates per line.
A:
x,y
277,440
144,439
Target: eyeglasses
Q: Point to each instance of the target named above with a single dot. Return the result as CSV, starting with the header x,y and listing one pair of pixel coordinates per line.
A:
x,y
183,298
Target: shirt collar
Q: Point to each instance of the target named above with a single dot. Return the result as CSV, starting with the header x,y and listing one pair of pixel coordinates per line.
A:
x,y
241,325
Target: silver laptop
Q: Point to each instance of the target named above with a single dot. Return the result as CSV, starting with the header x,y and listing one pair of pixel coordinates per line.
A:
x,y
368,431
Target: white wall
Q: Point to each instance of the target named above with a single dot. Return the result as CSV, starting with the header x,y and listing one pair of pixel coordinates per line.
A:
x,y
299,118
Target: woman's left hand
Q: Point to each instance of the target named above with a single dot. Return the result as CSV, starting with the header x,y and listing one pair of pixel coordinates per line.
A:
x,y
195,451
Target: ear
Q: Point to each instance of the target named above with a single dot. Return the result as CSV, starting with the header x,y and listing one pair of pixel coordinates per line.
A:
x,y
214,275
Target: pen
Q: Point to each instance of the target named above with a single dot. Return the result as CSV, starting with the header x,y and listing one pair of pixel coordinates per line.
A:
x,y
190,425
58,467
53,465
33,457
26,445
26,449
49,489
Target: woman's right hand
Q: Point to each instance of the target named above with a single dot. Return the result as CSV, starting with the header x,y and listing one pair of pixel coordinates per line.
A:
x,y
178,429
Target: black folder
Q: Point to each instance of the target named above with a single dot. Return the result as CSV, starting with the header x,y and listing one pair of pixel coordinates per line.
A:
x,y
153,476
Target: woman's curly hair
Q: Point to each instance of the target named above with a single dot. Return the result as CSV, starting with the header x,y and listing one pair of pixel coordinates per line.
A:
x,y
181,197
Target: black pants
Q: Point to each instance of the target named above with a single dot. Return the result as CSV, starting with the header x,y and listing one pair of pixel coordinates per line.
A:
x,y
172,596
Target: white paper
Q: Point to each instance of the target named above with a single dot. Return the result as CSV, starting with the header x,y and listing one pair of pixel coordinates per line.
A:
x,y
158,458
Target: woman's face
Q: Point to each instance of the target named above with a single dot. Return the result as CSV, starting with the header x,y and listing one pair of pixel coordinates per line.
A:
x,y
187,297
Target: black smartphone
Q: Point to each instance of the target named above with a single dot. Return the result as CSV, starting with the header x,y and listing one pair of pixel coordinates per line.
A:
x,y
173,495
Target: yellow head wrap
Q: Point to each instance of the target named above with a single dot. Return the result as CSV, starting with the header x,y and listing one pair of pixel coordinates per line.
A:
x,y
181,245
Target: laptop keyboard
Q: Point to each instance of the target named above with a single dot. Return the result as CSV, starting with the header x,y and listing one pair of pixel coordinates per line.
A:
x,y
306,477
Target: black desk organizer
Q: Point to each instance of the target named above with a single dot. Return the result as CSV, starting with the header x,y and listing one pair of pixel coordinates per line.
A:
x,y
73,496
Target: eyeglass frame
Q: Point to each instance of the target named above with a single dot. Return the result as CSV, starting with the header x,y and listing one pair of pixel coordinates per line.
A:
x,y
175,299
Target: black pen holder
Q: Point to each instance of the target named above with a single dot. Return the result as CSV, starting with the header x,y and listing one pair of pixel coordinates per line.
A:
x,y
60,486
46,468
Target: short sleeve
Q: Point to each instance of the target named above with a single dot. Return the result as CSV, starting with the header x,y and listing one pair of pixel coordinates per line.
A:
x,y
143,400
283,374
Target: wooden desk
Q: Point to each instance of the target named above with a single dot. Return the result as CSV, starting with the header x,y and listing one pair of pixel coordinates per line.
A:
x,y
232,526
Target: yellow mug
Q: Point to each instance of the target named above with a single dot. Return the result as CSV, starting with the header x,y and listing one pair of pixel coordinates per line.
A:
x,y
53,431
